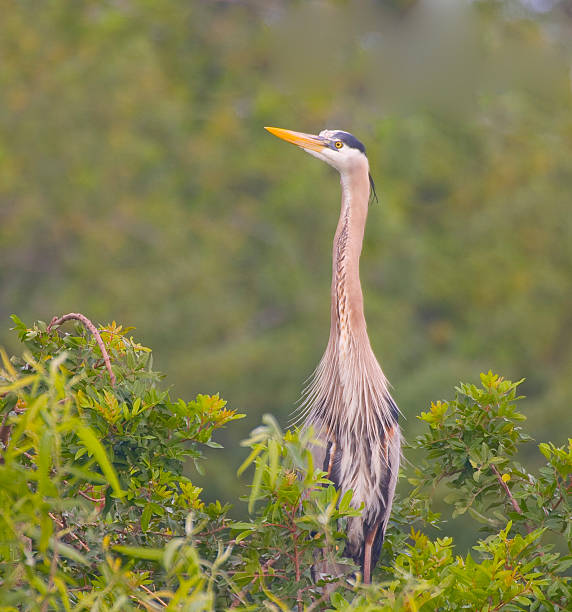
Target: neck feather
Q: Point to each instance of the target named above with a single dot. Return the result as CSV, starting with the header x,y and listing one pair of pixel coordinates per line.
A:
x,y
347,297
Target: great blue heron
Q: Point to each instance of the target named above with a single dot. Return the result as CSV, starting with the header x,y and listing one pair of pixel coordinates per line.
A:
x,y
348,402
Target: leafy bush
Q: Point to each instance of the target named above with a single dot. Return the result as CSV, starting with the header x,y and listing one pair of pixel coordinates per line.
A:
x,y
97,510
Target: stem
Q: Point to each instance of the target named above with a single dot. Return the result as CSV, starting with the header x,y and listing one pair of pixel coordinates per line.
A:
x,y
66,530
53,570
297,568
512,500
83,319
503,484
153,595
91,499
317,604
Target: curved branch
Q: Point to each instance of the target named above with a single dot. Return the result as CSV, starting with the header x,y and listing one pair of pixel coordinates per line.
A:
x,y
83,319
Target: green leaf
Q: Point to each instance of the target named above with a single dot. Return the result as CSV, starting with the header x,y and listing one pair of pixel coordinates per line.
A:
x,y
242,525
545,450
68,551
140,552
95,447
273,455
18,384
146,517
251,457
242,536
44,462
170,551
256,484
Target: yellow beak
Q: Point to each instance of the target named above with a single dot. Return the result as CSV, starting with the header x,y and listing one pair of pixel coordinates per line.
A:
x,y
305,141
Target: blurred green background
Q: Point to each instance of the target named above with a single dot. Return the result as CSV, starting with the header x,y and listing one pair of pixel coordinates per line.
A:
x,y
137,184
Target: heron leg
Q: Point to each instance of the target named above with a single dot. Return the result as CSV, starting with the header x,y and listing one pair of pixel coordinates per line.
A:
x,y
367,546
332,455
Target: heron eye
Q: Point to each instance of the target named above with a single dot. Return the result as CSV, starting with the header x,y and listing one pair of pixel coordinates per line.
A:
x,y
339,144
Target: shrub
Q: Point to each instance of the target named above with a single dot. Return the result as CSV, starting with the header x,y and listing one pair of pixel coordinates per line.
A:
x,y
97,510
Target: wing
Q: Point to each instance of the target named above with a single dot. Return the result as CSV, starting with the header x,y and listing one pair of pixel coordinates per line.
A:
x,y
393,446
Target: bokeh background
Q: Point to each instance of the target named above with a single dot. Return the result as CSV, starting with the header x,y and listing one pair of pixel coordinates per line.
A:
x,y
137,185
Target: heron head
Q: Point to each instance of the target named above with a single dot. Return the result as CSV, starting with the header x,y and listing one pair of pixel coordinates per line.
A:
x,y
337,148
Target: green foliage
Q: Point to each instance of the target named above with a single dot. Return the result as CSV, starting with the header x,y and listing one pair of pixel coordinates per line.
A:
x,y
89,468
471,446
97,510
136,182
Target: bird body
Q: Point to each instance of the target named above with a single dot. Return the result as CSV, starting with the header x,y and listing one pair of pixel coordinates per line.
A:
x,y
348,403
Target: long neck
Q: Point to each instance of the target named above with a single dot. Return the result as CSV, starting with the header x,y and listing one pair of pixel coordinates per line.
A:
x,y
347,298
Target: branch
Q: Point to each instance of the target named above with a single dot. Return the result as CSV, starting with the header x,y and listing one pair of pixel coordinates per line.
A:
x,y
66,530
53,570
91,499
327,592
154,595
83,319
239,597
503,484
512,500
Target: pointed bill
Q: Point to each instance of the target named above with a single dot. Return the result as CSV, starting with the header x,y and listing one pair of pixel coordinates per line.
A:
x,y
304,141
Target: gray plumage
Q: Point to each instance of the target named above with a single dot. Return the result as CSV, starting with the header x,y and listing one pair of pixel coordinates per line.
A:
x,y
348,402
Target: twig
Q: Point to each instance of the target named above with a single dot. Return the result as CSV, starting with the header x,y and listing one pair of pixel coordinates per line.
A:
x,y
163,534
316,605
63,526
95,500
512,500
53,570
503,484
150,592
91,499
239,597
5,431
145,604
56,520
83,319
297,568
561,498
